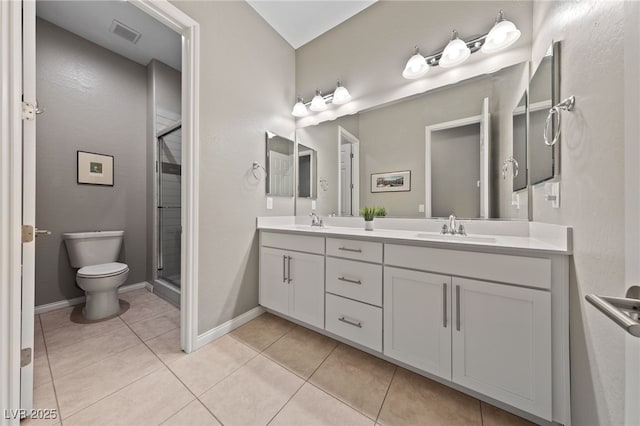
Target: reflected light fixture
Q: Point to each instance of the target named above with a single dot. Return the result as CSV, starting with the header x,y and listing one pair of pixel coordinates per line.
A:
x,y
455,53
318,103
341,95
299,109
503,34
416,67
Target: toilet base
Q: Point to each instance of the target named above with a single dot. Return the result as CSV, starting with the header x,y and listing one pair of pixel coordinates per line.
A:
x,y
101,305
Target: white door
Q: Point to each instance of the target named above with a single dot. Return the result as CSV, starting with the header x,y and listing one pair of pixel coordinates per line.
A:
x,y
280,172
28,198
307,290
502,343
485,144
274,285
417,319
346,186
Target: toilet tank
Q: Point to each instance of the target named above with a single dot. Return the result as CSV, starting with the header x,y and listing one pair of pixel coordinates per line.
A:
x,y
93,248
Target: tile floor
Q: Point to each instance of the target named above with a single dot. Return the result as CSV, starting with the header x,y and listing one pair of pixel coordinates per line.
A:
x,y
130,371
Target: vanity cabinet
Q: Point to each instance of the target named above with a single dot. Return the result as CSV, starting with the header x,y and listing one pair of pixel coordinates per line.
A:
x,y
502,343
292,283
417,319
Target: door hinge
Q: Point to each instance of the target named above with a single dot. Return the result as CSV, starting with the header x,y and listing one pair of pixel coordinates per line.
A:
x,y
351,155
25,357
27,233
28,111
351,186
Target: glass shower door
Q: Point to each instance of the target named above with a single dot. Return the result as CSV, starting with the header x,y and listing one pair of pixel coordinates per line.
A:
x,y
169,208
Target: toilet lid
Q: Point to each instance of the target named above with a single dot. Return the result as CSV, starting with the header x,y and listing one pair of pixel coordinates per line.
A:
x,y
103,270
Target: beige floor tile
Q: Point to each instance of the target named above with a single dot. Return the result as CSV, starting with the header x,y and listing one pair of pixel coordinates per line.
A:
x,y
313,407
416,400
202,369
39,348
167,346
148,401
55,319
140,311
253,394
356,378
262,331
301,351
44,398
153,327
72,333
67,359
85,386
36,323
41,372
194,414
494,416
141,295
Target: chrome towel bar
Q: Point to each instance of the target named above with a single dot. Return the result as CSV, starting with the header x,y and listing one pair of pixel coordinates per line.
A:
x,y
624,311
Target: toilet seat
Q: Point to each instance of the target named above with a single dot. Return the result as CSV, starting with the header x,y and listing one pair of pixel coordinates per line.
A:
x,y
103,270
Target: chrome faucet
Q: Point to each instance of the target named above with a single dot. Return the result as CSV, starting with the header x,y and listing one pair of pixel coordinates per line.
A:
x,y
451,227
316,221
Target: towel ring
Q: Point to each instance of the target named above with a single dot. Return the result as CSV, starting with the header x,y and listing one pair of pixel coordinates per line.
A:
x,y
566,105
255,167
505,167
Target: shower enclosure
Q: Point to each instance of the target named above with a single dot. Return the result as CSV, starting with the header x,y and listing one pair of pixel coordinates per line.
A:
x,y
169,212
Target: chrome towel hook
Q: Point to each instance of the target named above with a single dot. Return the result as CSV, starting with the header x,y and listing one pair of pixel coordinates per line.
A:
x,y
255,167
566,105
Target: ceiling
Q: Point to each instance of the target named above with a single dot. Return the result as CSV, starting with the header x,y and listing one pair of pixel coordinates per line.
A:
x,y
300,21
92,20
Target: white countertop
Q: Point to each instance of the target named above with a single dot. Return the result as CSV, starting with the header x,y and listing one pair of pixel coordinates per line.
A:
x,y
493,235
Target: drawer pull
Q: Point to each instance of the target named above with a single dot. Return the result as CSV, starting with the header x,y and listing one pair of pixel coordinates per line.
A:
x,y
347,280
350,249
353,323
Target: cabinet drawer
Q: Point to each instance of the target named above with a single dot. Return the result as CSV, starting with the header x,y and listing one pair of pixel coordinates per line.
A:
x,y
355,321
529,271
355,280
292,242
354,249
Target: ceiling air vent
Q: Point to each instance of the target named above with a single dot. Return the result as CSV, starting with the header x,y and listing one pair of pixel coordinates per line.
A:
x,y
127,33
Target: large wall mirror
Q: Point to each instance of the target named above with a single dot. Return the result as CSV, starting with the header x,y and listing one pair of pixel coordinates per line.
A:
x,y
279,166
429,155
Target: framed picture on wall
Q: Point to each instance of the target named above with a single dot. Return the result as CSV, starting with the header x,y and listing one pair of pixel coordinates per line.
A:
x,y
391,181
95,169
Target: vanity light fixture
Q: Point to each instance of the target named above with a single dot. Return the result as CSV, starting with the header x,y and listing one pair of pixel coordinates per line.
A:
x,y
319,102
455,53
416,67
299,109
502,35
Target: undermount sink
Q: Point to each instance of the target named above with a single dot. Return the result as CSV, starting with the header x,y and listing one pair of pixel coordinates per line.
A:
x,y
459,238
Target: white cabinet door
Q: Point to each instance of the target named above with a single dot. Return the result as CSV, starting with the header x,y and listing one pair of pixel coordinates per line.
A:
x,y
417,319
307,290
502,343
274,286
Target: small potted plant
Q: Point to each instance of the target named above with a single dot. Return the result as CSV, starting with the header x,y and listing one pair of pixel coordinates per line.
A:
x,y
370,213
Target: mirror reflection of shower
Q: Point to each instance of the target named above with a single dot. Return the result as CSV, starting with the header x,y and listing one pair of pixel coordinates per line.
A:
x,y
169,167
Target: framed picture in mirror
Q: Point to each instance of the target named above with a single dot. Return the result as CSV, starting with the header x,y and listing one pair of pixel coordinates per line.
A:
x,y
391,181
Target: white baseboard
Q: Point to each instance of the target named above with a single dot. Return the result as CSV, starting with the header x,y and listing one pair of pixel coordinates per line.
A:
x,y
78,300
222,329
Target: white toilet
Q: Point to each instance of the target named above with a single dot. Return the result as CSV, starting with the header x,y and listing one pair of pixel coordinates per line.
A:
x,y
95,253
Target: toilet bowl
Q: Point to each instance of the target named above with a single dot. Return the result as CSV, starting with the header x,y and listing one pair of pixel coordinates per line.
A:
x,y
99,275
101,282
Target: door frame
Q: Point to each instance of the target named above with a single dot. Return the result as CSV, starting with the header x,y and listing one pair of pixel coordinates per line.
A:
x,y
345,137
11,184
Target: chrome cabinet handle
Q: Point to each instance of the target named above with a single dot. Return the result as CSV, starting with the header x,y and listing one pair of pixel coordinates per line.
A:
x,y
347,280
444,305
353,323
458,307
350,249
284,269
289,270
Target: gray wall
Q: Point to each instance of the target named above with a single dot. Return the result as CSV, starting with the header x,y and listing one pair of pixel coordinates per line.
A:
x,y
95,101
247,74
592,191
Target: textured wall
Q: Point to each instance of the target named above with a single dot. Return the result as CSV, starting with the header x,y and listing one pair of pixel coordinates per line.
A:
x,y
95,101
592,192
246,87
